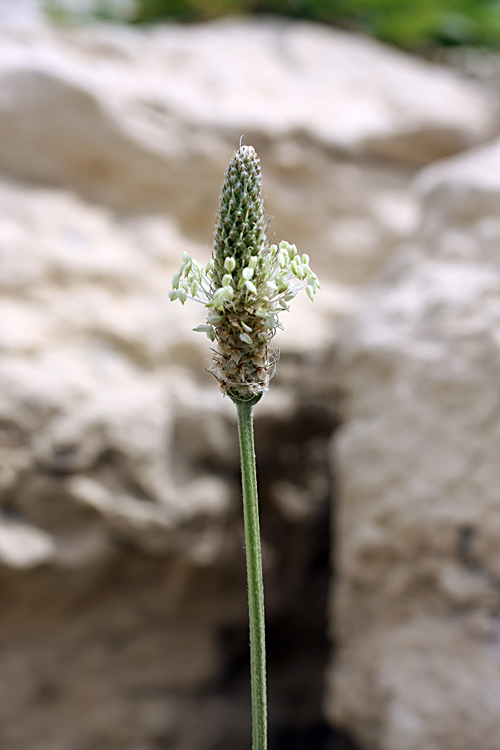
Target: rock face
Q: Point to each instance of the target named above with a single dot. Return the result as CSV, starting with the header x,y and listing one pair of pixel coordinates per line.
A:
x,y
121,568
418,595
147,121
123,622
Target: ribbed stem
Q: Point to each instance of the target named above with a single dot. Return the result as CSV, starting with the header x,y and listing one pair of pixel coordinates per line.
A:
x,y
254,577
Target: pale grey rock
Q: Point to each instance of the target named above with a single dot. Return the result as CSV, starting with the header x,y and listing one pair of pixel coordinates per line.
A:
x,y
23,546
147,120
94,359
345,91
417,600
121,548
22,13
87,332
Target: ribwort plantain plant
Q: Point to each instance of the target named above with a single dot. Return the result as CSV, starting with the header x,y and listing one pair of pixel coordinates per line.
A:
x,y
244,287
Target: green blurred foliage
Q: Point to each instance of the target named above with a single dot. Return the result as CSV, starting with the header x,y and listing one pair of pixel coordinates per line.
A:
x,y
406,23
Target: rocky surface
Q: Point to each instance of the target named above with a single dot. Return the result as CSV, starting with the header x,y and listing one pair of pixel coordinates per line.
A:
x,y
147,121
120,530
123,619
418,598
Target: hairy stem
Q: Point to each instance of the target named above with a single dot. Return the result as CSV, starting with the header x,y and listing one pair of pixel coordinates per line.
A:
x,y
254,576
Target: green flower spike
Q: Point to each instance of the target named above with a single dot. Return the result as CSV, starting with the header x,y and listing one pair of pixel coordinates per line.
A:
x,y
246,284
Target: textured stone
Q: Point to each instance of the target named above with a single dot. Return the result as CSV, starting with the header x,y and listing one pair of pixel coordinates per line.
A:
x,y
147,120
417,600
121,549
123,623
366,98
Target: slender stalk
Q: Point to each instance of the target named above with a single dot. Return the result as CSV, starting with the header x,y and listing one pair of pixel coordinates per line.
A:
x,y
244,286
254,576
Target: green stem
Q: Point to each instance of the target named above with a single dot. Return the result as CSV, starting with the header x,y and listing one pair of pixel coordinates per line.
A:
x,y
254,576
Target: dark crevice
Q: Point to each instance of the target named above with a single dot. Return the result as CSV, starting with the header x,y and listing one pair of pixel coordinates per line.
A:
x,y
467,537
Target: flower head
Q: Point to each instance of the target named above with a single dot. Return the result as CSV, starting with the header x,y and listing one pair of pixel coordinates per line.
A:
x,y
245,285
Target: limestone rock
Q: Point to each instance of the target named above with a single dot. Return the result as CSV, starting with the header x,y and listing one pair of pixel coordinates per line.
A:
x,y
121,567
90,489
366,98
121,549
85,320
146,121
417,600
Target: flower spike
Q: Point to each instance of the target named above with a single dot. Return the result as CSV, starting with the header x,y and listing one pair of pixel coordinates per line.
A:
x,y
245,285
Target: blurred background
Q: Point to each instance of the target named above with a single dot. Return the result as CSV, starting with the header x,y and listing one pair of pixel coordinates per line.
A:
x,y
123,615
